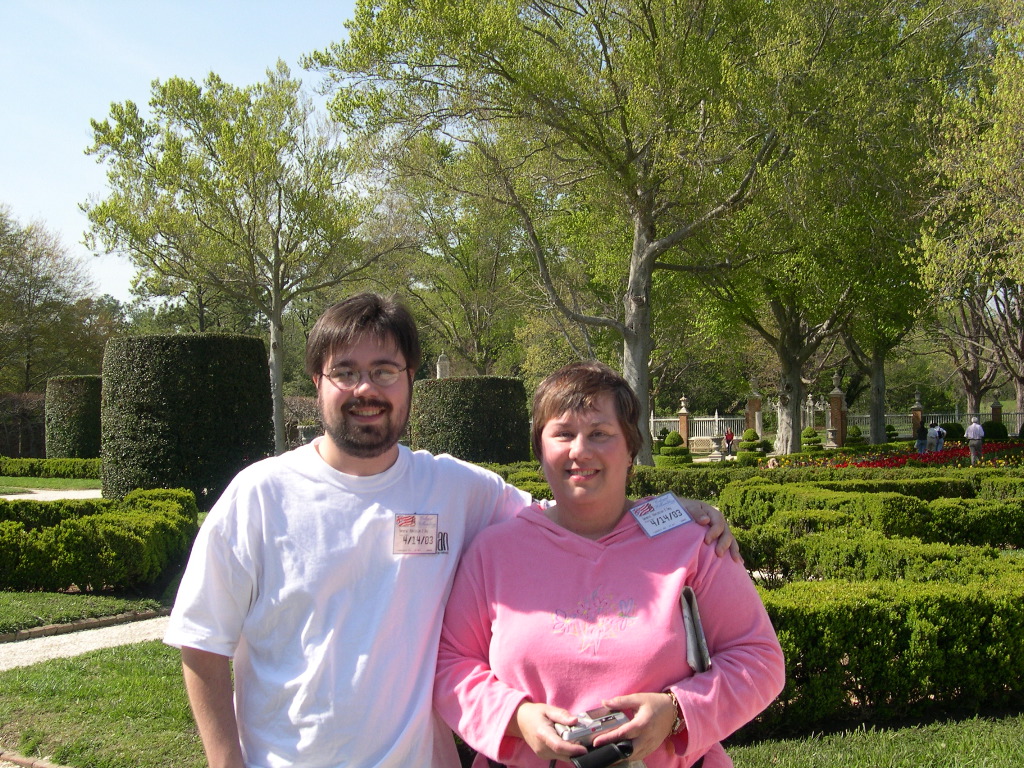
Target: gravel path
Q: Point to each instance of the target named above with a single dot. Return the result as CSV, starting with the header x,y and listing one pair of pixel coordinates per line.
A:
x,y
45,495
25,652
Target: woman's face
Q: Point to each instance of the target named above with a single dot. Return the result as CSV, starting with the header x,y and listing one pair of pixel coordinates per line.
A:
x,y
584,455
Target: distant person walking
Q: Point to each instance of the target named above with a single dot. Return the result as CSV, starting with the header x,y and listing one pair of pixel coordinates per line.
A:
x,y
932,437
975,438
922,438
729,438
940,437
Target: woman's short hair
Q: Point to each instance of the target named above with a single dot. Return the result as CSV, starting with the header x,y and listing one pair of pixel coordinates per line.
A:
x,y
576,387
364,315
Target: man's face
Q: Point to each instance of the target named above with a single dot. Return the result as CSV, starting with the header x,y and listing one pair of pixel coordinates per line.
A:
x,y
365,419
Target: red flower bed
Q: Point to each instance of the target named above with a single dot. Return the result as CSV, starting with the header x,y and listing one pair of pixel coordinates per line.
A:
x,y
953,454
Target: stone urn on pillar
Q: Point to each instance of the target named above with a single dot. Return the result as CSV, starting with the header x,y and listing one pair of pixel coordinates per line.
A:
x,y
916,415
837,410
684,422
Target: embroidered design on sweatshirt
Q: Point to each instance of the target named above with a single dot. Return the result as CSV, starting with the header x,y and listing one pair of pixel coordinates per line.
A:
x,y
597,616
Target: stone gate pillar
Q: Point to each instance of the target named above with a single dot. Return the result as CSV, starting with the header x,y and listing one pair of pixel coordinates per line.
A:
x,y
997,411
837,411
684,422
752,418
916,415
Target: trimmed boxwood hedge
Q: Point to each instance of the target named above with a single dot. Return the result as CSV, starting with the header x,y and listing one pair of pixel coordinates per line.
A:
x,y
672,452
68,469
479,418
995,430
886,650
184,411
95,544
810,441
926,488
73,417
894,514
860,554
1001,487
980,522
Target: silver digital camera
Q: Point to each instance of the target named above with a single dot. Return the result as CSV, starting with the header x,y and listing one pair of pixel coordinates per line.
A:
x,y
591,723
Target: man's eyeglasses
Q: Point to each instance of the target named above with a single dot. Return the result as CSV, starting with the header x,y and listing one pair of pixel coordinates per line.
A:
x,y
380,375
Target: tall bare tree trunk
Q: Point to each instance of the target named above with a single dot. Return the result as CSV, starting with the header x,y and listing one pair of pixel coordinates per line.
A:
x,y
277,376
877,401
636,338
791,397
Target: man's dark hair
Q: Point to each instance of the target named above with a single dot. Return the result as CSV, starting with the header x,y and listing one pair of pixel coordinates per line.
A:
x,y
364,315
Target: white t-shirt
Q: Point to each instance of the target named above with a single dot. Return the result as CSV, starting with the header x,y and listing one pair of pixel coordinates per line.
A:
x,y
334,635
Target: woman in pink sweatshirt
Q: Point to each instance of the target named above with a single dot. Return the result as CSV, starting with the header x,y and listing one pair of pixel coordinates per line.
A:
x,y
575,606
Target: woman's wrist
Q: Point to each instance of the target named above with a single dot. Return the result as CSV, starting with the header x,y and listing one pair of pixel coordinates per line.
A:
x,y
679,723
514,727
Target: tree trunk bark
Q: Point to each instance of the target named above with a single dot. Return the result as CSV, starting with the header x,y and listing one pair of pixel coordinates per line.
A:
x,y
877,404
636,346
277,376
791,397
973,402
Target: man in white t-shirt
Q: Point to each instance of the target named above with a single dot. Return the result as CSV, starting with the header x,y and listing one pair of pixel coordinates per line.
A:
x,y
309,614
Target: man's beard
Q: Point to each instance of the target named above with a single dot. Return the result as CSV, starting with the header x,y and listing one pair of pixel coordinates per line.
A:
x,y
365,441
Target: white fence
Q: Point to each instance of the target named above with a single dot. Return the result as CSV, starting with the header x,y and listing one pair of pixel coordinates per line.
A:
x,y
904,425
704,428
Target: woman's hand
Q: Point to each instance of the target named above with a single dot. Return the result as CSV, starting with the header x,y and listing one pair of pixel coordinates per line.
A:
x,y
535,724
653,717
718,532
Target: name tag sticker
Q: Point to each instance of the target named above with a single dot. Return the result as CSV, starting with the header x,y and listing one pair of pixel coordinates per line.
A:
x,y
660,514
415,535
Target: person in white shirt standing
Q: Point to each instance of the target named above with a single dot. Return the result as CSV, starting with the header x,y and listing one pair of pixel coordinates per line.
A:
x,y
310,611
975,435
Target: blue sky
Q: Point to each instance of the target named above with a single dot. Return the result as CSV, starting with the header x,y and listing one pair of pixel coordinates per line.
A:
x,y
63,62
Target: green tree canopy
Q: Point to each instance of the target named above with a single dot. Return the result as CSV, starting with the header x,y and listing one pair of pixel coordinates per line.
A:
x,y
51,323
641,108
976,223
240,190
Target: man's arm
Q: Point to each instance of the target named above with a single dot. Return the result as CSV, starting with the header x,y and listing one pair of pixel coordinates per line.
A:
x,y
718,532
210,692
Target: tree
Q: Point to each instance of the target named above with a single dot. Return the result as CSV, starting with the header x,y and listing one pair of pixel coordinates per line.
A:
x,y
638,107
834,223
1005,330
977,214
193,307
972,236
238,190
50,323
661,118
465,276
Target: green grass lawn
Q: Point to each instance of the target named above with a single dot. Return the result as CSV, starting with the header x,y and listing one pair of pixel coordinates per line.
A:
x,y
24,610
979,742
20,484
126,708
114,708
